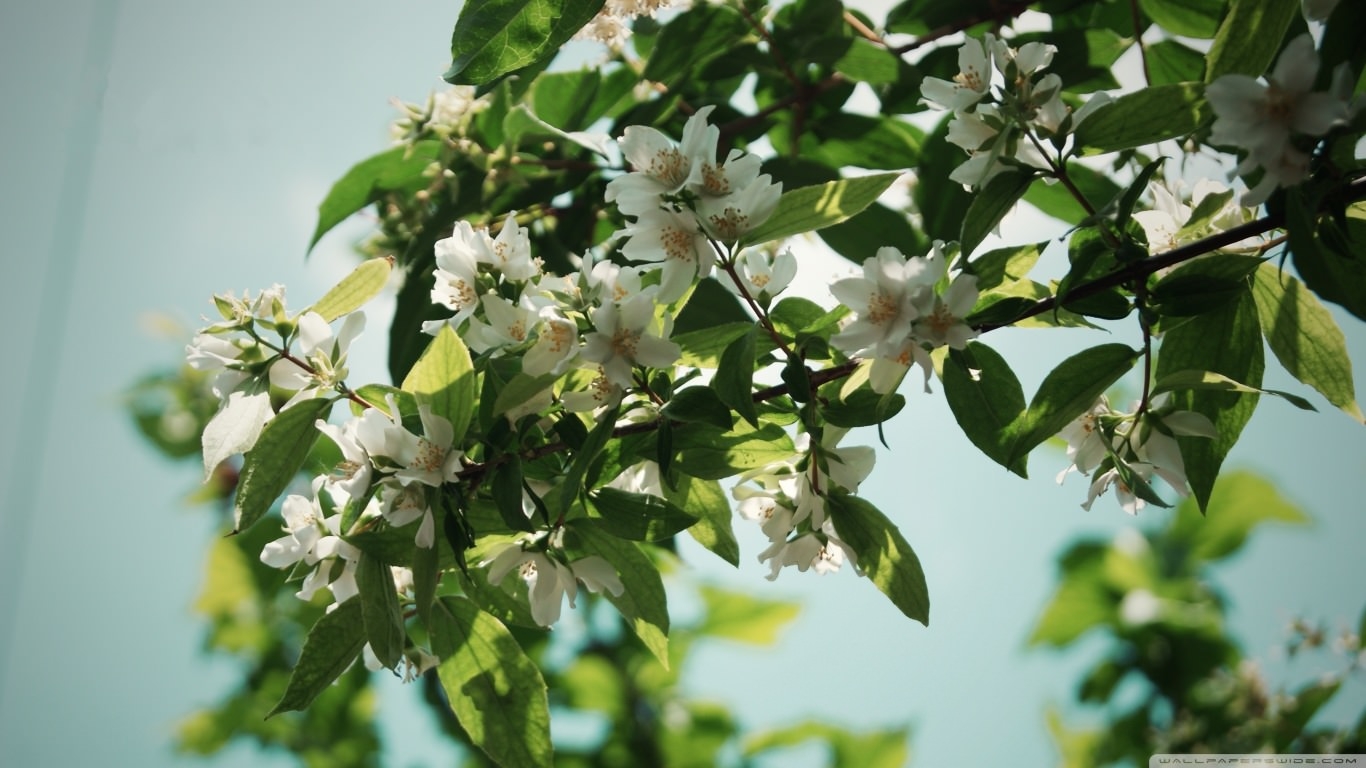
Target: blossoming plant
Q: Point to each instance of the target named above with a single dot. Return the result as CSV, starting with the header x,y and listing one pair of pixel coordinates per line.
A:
x,y
596,322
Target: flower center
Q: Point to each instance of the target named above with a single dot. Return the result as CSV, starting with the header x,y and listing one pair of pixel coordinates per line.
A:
x,y
624,342
527,570
730,223
678,243
430,456
714,182
881,308
669,167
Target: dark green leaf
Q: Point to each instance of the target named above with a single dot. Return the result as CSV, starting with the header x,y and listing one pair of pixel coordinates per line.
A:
x,y
883,554
1057,201
331,646
1203,285
426,578
1145,117
643,603
573,480
734,380
1171,62
507,493
638,516
495,38
811,208
869,63
380,611
704,500
861,236
1249,37
1304,337
495,690
692,39
397,168
991,205
1228,342
986,398
1066,393
1188,18
270,466
713,454
698,404
1208,380
862,408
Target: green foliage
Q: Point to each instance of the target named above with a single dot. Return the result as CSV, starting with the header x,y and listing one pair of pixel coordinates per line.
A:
x,y
332,645
884,555
271,464
443,378
1141,118
495,39
1066,392
363,284
395,170
811,208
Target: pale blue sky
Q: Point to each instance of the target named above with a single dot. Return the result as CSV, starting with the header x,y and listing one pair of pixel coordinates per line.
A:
x,y
152,153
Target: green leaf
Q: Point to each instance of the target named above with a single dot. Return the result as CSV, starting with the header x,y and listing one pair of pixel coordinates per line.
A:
x,y
426,579
875,227
495,38
713,454
332,644
883,554
862,408
1066,393
1055,200
643,603
638,516
842,139
592,445
992,204
692,39
1249,37
699,404
397,168
811,208
1082,601
1188,18
1005,265
364,283
495,690
380,611
1203,285
1171,62
741,617
1145,117
520,390
1244,502
1209,380
270,466
869,63
704,500
506,488
443,377
734,379
703,348
1228,342
986,398
1304,337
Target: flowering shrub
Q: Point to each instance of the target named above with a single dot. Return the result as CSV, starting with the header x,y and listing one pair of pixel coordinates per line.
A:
x,y
597,324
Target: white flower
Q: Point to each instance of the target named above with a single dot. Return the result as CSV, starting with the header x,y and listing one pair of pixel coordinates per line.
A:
x,y
556,345
313,540
350,479
510,252
548,580
824,552
601,393
886,373
509,325
968,86
1165,226
324,353
733,216
401,504
940,320
235,428
1026,60
764,277
882,301
1261,118
625,335
674,239
457,272
1086,442
428,458
662,167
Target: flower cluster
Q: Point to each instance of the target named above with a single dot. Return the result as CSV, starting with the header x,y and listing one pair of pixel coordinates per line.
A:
x,y
446,114
903,308
1176,219
1126,450
1278,122
249,364
547,573
788,501
1000,114
612,25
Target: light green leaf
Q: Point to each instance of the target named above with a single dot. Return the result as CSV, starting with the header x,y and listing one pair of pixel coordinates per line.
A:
x,y
443,377
1082,601
495,690
991,205
713,454
1218,382
332,644
1171,62
1145,117
1304,337
869,63
698,404
495,38
807,209
704,500
643,603
883,554
638,516
397,168
738,616
426,579
1244,502
986,398
1188,18
734,379
380,611
869,749
520,390
1228,342
271,464
1005,265
1066,393
363,284
1249,37
702,348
